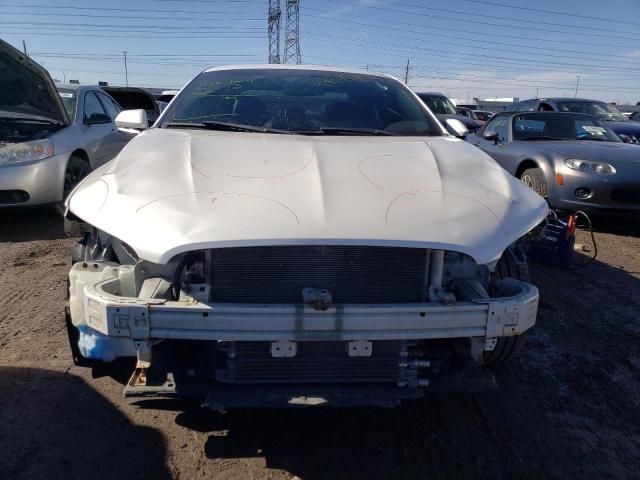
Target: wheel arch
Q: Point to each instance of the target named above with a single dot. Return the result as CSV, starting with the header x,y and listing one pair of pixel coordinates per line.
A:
x,y
535,162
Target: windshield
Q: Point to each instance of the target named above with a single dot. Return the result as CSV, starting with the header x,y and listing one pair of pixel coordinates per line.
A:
x,y
299,101
555,126
598,109
438,104
69,99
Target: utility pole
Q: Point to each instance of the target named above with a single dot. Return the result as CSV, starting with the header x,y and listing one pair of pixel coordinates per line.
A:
x,y
24,48
292,33
273,27
537,89
64,77
577,84
126,71
406,73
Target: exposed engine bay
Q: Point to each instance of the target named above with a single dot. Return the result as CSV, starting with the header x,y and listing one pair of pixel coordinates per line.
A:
x,y
296,305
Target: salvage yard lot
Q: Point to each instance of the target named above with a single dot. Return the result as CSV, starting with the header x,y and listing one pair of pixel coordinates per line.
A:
x,y
567,406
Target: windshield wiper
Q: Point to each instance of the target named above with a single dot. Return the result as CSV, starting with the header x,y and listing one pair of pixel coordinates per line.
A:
x,y
347,131
226,127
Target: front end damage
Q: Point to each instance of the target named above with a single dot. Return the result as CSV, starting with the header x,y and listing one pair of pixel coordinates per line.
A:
x,y
293,325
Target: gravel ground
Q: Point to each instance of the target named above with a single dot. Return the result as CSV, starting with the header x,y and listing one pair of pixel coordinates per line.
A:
x,y
567,406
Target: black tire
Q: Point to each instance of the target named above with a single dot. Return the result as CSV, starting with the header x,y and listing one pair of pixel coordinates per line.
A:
x,y
534,179
513,264
77,169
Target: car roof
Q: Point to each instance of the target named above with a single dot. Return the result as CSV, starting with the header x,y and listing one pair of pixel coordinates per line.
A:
x,y
539,112
571,99
317,68
435,94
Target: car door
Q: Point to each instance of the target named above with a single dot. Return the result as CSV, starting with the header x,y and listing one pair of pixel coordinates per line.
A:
x,y
117,138
96,134
497,148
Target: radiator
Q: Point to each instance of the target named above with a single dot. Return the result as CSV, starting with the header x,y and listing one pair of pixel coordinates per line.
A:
x,y
353,274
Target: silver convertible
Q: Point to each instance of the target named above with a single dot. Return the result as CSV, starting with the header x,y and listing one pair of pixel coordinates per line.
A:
x,y
573,160
50,136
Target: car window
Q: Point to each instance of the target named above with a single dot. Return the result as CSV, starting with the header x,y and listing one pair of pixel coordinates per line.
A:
x,y
438,104
110,106
69,99
92,105
597,109
498,125
524,127
300,101
560,126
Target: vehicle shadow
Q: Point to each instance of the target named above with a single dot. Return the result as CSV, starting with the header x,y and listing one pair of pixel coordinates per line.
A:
x,y
416,440
626,224
28,224
54,426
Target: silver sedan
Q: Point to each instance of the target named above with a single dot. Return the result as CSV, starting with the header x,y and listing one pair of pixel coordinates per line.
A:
x,y
573,160
50,136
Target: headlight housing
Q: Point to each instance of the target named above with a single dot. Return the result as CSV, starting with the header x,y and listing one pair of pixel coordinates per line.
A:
x,y
589,166
26,152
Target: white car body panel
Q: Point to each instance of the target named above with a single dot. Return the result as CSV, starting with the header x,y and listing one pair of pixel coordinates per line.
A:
x,y
176,190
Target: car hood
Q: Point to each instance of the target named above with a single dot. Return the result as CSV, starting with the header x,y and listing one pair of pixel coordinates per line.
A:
x,y
171,191
26,89
629,128
611,152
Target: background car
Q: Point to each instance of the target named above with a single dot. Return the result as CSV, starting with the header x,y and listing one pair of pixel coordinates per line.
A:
x,y
483,115
573,160
133,98
608,113
50,137
444,109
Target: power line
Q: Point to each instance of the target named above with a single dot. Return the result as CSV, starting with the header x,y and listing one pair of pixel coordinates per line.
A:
x,y
470,32
514,61
481,47
576,15
421,14
493,40
120,17
523,20
110,9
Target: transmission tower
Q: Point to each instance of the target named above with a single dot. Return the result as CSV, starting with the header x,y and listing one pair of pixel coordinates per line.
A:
x,y
274,31
292,33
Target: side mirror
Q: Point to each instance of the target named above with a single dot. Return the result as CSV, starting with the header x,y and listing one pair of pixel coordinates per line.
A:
x,y
456,128
491,137
624,138
132,119
97,118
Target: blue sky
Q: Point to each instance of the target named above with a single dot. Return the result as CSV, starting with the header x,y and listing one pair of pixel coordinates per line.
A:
x,y
483,48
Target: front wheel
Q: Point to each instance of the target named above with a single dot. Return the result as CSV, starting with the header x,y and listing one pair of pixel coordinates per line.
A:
x,y
512,264
77,169
534,179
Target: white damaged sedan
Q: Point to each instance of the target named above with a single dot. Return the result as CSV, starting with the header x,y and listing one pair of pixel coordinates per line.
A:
x,y
298,235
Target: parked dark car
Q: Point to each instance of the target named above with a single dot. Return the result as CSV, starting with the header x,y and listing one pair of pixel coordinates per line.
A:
x,y
629,129
483,115
573,160
133,98
635,116
444,109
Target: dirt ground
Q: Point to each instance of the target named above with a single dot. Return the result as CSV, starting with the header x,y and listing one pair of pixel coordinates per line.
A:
x,y
567,406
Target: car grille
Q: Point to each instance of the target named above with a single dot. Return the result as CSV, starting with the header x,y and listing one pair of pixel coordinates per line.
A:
x,y
353,274
626,195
